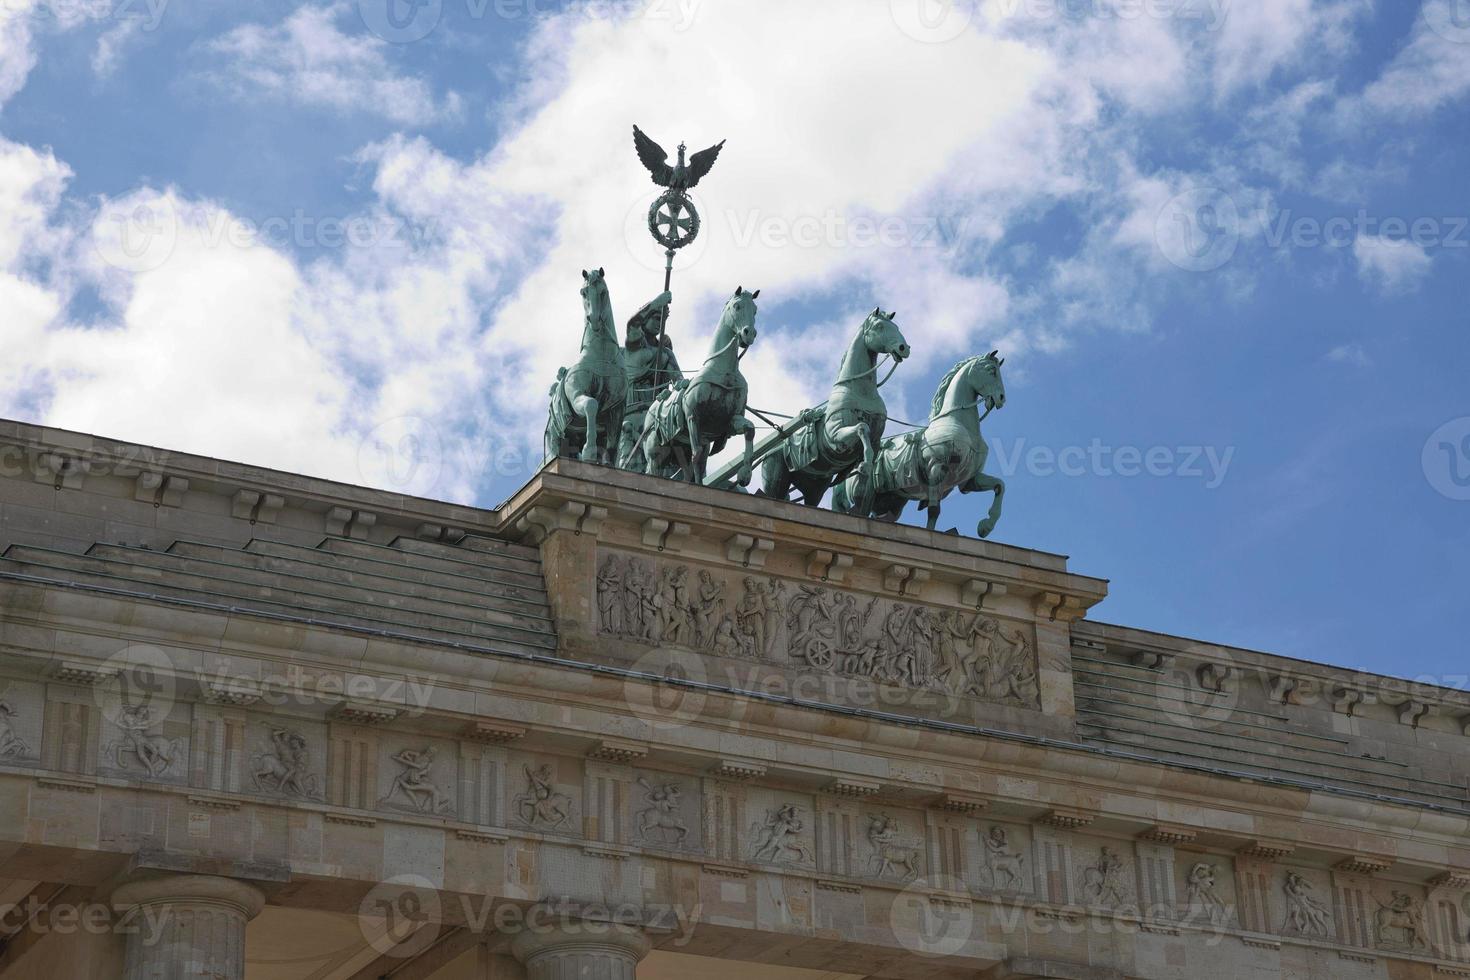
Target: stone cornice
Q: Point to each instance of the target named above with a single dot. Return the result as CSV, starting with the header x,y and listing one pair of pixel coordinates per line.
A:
x,y
744,529
56,454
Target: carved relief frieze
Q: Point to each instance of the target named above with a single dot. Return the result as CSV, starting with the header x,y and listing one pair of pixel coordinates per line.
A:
x,y
1398,923
283,765
764,618
1004,863
541,804
419,784
1306,914
11,744
141,746
893,852
1105,880
1204,887
782,837
21,708
661,817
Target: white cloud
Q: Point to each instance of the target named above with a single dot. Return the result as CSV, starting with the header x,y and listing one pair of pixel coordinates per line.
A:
x,y
1259,38
307,59
17,54
1431,71
834,118
1350,354
1394,266
113,43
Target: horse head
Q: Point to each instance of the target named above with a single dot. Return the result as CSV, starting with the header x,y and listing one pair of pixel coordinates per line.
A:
x,y
596,303
882,336
984,374
739,318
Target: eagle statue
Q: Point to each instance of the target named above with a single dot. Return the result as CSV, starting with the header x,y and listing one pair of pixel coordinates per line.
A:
x,y
680,177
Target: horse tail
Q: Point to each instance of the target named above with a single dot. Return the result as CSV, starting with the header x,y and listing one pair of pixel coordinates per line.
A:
x,y
944,382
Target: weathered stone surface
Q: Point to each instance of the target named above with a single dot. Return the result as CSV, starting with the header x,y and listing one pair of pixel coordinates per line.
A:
x,y
464,722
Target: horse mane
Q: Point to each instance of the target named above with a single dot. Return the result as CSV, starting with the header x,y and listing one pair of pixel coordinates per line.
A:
x,y
938,405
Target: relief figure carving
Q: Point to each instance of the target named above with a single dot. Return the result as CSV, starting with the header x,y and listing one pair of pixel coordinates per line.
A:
x,y
1204,901
542,804
1103,881
1399,924
824,629
1004,864
11,744
284,768
1305,916
155,753
415,782
890,856
778,840
662,813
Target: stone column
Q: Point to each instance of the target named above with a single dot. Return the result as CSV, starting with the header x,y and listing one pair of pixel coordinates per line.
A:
x,y
580,950
186,927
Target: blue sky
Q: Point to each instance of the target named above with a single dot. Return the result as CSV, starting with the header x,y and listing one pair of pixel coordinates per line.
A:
x,y
1222,243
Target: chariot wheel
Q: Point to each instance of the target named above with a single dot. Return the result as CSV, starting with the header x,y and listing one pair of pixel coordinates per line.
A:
x,y
820,652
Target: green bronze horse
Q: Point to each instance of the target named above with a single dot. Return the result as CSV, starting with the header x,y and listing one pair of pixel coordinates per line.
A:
x,y
948,453
841,438
587,401
688,422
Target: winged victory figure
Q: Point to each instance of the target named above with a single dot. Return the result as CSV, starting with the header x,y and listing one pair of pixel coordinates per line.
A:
x,y
681,176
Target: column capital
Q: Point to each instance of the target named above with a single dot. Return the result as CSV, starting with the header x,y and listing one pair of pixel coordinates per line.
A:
x,y
602,950
169,889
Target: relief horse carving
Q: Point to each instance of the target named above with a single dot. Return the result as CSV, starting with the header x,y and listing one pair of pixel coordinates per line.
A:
x,y
587,401
948,453
845,434
689,422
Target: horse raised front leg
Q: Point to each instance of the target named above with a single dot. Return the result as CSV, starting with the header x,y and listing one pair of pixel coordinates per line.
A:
x,y
743,426
981,483
586,406
934,496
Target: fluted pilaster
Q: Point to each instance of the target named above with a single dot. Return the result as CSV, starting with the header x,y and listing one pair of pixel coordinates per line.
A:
x,y
186,927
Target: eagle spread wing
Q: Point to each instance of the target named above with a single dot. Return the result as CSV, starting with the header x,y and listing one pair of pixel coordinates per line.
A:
x,y
700,163
654,157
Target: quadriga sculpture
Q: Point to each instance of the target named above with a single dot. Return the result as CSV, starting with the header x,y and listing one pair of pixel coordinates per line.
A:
x,y
843,436
587,400
690,421
948,453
